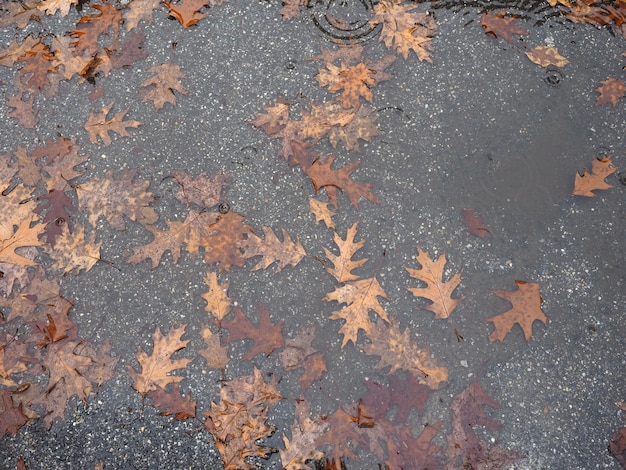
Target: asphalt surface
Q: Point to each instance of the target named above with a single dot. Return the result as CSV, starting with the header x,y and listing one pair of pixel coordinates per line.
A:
x,y
479,129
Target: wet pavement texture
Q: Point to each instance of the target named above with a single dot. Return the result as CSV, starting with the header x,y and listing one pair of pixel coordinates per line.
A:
x,y
481,128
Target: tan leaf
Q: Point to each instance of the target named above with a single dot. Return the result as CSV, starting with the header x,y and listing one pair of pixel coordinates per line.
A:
x,y
301,447
360,296
157,368
24,236
439,292
50,7
215,354
587,182
73,253
403,29
165,82
272,249
343,265
322,213
611,90
114,198
545,56
399,351
218,302
99,126
139,10
203,191
361,127
526,308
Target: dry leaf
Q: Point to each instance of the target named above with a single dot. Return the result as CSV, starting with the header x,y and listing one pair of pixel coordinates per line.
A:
x,y
322,213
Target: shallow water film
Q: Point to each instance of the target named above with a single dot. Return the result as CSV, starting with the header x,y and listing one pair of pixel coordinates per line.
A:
x,y
312,235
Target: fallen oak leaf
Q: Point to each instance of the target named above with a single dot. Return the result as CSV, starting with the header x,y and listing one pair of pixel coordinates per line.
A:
x,y
73,252
165,81
526,308
156,368
139,10
545,56
301,447
187,11
360,296
610,91
497,26
218,302
266,337
475,224
201,190
215,354
404,29
99,126
24,236
439,292
323,176
272,249
13,418
114,198
239,420
398,351
343,265
586,183
173,402
322,213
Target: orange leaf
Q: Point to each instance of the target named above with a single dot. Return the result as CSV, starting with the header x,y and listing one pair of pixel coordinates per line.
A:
x,y
436,290
526,308
587,182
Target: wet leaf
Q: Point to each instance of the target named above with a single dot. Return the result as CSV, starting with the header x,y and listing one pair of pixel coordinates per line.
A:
x,y
99,126
166,80
545,56
585,184
187,11
438,291
497,26
266,337
526,308
272,250
610,91
157,369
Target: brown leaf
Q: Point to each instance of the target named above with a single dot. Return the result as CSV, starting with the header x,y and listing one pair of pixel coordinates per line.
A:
x,y
215,354
323,176
114,198
617,446
14,51
403,29
610,91
405,451
360,296
439,292
266,337
545,56
322,213
301,447
585,184
165,82
13,418
24,112
50,7
291,8
343,436
202,191
91,27
298,352
361,127
173,402
465,447
272,249
218,302
475,224
98,126
24,236
399,351
75,253
526,308
139,10
497,26
187,11
343,265
156,369
239,420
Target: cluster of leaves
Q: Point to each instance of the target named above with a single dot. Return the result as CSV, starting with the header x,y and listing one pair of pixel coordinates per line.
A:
x,y
52,212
